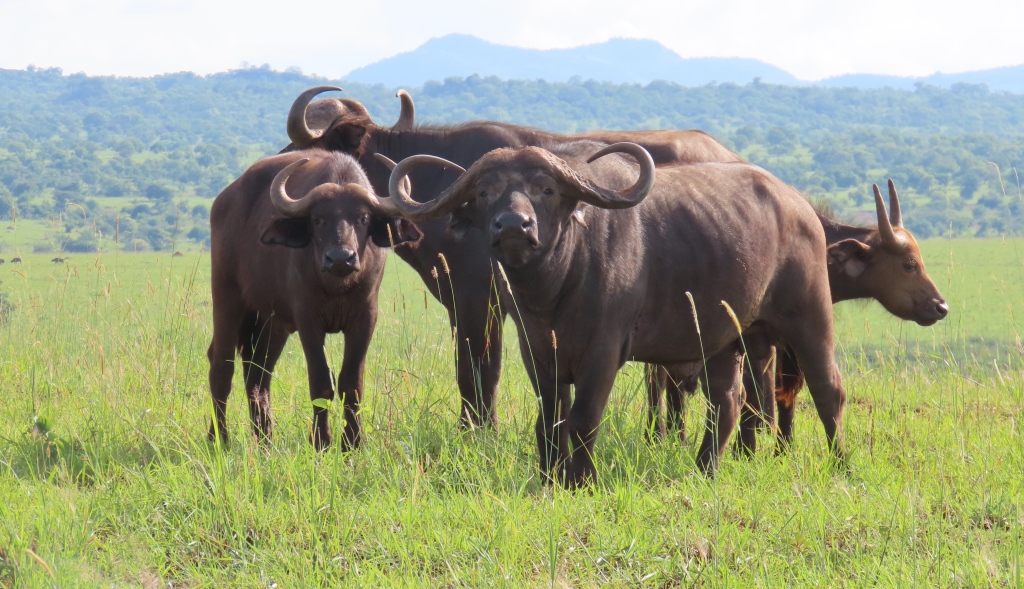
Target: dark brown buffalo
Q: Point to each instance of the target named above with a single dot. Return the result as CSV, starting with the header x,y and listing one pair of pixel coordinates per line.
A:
x,y
1,260
609,282
15,260
311,262
469,292
882,263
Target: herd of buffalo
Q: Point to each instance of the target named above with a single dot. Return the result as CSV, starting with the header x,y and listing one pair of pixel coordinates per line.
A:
x,y
662,247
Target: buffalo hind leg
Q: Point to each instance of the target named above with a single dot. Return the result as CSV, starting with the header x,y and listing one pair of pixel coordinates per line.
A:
x,y
758,380
478,357
682,382
788,382
261,344
227,323
721,385
810,338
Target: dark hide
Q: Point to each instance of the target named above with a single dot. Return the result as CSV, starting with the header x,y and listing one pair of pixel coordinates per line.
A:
x,y
468,292
613,288
860,266
274,275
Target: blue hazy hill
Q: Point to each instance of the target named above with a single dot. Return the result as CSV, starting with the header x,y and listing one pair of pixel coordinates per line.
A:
x,y
628,61
616,60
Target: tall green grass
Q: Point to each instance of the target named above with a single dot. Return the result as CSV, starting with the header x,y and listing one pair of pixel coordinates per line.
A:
x,y
106,477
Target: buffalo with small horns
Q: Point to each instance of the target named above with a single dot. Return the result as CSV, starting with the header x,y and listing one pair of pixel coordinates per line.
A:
x,y
298,243
882,263
665,272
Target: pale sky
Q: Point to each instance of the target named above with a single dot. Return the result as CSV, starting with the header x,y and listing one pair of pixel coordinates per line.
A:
x,y
812,39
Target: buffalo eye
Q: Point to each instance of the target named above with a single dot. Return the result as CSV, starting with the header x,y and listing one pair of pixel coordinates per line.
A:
x,y
483,194
548,191
910,266
364,219
318,221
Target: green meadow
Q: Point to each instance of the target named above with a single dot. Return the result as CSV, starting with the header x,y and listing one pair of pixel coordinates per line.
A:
x,y
107,478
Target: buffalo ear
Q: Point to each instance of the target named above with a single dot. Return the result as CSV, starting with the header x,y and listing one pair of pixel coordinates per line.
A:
x,y
348,138
401,231
851,255
288,232
462,219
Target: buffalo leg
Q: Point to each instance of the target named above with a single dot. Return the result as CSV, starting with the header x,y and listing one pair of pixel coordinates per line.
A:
x,y
477,322
227,321
593,386
261,345
788,382
811,341
721,384
350,378
552,434
656,378
680,385
320,385
758,379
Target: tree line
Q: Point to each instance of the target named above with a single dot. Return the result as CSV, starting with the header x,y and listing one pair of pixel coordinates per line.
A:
x,y
153,142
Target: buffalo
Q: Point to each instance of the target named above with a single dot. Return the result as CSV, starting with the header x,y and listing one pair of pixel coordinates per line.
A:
x,y
1,260
15,260
57,260
882,263
297,244
469,293
667,272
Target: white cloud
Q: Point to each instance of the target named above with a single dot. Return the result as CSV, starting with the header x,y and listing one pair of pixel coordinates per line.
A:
x,y
809,38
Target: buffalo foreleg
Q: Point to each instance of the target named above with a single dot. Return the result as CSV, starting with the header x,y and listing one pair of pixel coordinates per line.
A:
x,y
593,385
320,386
350,379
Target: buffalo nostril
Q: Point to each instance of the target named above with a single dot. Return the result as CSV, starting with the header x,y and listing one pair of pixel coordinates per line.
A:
x,y
497,225
527,223
352,260
942,308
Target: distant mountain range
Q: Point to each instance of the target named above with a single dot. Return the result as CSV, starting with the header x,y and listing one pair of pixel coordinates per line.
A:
x,y
627,61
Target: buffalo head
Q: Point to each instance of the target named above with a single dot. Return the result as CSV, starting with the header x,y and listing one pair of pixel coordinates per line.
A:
x,y
337,124
522,199
336,220
888,266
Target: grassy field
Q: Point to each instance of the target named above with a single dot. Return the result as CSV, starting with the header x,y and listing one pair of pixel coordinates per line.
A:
x,y
106,477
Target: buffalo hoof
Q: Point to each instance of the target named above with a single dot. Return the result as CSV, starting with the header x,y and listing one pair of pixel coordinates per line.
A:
x,y
213,438
320,437
579,477
707,462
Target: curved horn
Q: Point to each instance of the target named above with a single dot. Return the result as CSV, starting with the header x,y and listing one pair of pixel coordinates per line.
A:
x,y
618,199
390,165
355,106
895,217
412,210
407,117
889,240
300,133
279,197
